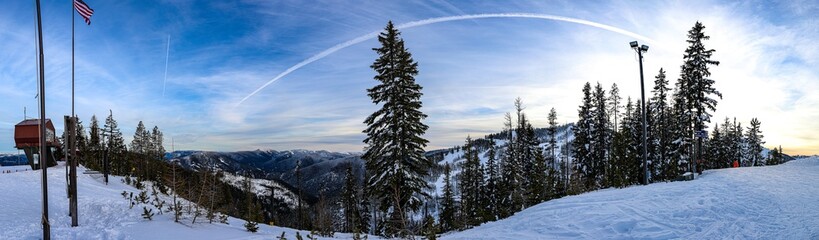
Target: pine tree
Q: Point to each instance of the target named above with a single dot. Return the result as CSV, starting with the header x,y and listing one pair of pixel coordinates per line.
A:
x,y
582,152
139,143
600,137
448,208
551,131
614,105
636,173
115,146
659,127
350,202
94,144
470,183
754,138
695,85
539,180
429,229
81,143
491,187
715,154
531,155
509,171
680,132
520,161
395,148
365,208
739,145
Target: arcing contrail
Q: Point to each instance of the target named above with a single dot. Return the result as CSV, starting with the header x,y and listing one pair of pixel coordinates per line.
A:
x,y
445,19
167,51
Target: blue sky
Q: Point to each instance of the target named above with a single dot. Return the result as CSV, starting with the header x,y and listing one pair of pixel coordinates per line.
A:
x,y
471,70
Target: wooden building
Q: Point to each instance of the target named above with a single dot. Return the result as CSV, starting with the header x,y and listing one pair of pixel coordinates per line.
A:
x,y
27,138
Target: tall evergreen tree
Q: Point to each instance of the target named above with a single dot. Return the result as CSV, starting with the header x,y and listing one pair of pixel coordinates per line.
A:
x,y
81,141
536,169
517,162
493,178
614,105
157,141
636,146
395,146
140,142
94,144
470,184
509,171
350,202
446,217
697,87
738,145
115,146
659,129
365,208
716,154
581,146
600,137
754,140
552,142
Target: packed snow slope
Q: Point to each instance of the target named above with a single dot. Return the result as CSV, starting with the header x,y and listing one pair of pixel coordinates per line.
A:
x,y
773,202
103,212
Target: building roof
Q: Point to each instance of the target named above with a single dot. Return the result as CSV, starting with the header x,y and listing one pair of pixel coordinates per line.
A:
x,y
33,121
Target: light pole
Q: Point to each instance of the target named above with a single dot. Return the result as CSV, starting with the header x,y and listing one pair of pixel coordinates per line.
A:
x,y
640,50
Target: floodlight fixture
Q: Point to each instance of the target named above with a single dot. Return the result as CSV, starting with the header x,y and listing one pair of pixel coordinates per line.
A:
x,y
633,44
644,48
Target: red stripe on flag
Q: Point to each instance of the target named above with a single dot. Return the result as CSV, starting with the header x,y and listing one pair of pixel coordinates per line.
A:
x,y
84,10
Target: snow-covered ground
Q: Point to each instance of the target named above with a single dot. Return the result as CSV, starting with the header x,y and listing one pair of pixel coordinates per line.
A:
x,y
261,187
774,202
103,212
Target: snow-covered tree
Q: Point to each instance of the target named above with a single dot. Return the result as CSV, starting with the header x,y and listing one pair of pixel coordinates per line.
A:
x,y
470,185
581,149
493,178
349,202
614,105
446,217
395,146
115,146
754,144
601,137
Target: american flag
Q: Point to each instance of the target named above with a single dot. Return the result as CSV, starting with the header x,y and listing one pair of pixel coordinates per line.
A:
x,y
83,10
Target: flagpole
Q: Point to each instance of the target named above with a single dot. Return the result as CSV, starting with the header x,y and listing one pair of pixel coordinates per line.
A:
x,y
71,160
43,156
72,58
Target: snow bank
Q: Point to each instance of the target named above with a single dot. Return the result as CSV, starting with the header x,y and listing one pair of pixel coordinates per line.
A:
x,y
774,202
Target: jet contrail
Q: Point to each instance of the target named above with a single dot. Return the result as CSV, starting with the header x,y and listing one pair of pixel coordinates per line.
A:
x,y
167,51
419,23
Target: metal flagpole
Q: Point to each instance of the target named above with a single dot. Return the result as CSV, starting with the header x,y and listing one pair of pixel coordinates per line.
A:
x,y
43,156
70,159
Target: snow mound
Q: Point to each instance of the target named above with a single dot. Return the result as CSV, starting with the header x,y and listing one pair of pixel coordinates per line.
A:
x,y
773,202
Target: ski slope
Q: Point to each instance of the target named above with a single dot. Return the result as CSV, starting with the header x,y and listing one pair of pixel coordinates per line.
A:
x,y
774,202
103,212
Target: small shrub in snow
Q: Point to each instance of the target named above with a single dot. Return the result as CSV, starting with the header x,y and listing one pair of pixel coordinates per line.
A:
x,y
223,218
251,226
147,213
143,197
